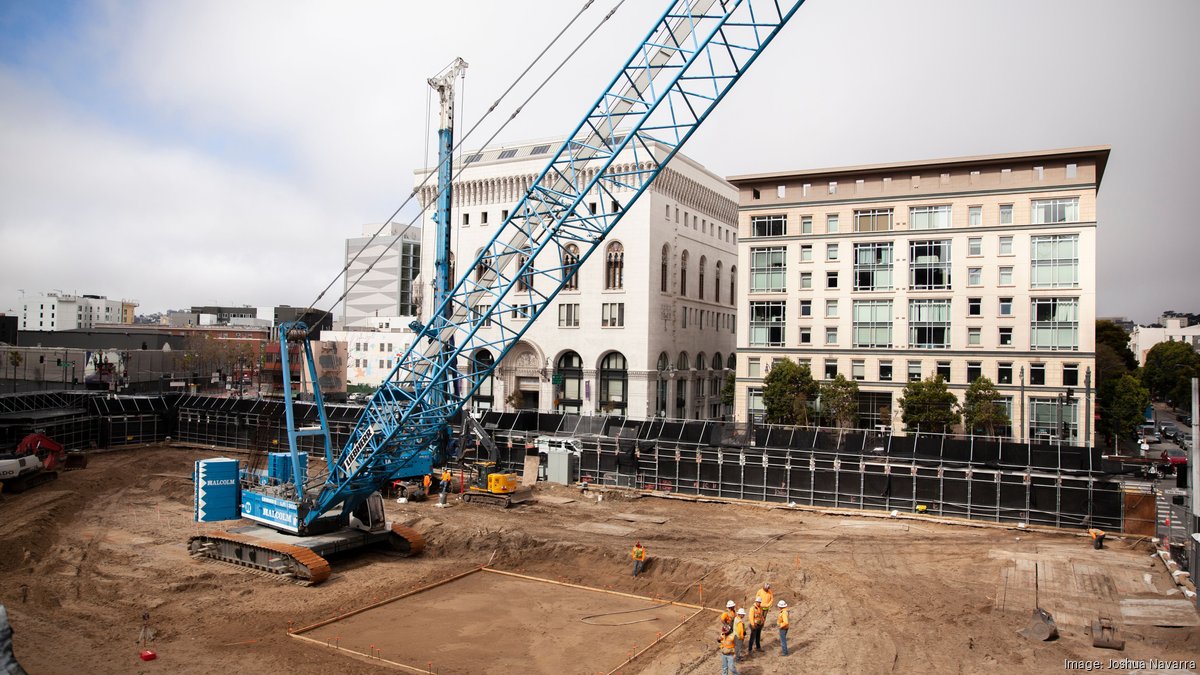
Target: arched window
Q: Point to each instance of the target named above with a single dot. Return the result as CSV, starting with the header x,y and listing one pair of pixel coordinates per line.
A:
x,y
700,285
661,400
701,382
731,362
570,261
481,267
570,393
525,280
733,284
614,379
484,397
683,262
717,362
717,284
614,266
665,269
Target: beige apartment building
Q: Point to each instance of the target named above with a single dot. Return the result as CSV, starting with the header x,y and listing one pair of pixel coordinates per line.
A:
x,y
956,267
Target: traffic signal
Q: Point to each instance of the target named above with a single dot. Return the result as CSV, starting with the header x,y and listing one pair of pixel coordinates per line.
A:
x,y
42,358
59,361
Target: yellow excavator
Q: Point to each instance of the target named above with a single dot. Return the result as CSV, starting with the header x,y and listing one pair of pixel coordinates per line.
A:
x,y
489,485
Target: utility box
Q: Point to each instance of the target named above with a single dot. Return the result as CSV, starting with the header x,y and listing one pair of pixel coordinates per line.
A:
x,y
561,458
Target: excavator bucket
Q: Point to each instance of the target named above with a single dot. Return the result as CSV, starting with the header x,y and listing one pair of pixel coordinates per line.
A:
x,y
76,460
1041,626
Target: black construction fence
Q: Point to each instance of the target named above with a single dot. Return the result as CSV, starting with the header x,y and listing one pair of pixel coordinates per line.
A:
x,y
969,477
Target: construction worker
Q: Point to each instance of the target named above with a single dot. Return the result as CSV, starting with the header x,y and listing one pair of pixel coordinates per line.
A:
x,y
426,482
727,650
758,619
739,633
445,491
729,614
1097,537
764,594
639,558
784,621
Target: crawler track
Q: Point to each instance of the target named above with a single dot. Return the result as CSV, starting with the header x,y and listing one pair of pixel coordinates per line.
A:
x,y
295,563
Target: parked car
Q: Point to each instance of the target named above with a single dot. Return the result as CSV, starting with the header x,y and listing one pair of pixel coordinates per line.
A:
x,y
1184,440
1167,429
1185,420
1174,459
1148,433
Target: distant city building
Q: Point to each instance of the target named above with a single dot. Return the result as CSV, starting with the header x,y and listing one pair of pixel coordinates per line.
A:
x,y
962,267
373,347
646,326
1125,323
64,311
1177,328
386,288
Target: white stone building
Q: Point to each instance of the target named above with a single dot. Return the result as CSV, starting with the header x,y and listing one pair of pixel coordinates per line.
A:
x,y
955,267
1171,329
373,347
63,311
647,327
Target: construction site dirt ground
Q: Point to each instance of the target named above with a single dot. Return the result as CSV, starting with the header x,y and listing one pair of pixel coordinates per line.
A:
x,y
82,558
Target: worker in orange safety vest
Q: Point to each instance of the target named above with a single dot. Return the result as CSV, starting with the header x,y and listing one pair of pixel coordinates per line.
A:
x,y
427,481
727,649
639,558
784,622
758,619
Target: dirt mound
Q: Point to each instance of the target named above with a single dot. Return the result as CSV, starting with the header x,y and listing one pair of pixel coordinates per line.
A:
x,y
29,523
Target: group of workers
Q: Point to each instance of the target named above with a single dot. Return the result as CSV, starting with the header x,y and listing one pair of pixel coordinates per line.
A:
x,y
740,628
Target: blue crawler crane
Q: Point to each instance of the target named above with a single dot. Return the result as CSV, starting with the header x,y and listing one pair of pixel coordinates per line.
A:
x,y
676,76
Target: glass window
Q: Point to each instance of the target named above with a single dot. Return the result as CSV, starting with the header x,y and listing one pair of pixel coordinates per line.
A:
x,y
929,324
1070,374
1054,324
974,371
806,253
1006,245
830,369
1055,261
1004,373
831,223
614,379
1037,373
614,266
753,367
975,215
755,408
974,306
664,268
914,371
831,280
768,269
1051,420
830,336
805,336
806,225
974,336
806,308
1006,214
765,226
929,217
1006,276
1005,306
767,321
885,371
873,267
831,251
974,276
1005,337
929,265
858,369
570,391
612,315
872,220
568,315
831,309
806,280
1055,210
943,370
873,323
975,246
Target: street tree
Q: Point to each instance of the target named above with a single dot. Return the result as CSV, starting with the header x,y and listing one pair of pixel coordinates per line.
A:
x,y
928,405
981,407
1170,367
839,401
1109,333
728,390
1127,410
788,393
15,360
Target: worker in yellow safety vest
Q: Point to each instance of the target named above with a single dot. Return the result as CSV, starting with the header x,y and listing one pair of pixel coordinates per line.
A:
x,y
639,558
727,649
739,632
758,619
784,622
766,597
1097,537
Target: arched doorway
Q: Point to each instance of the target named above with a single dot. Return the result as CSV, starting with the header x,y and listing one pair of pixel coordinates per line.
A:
x,y
614,383
568,376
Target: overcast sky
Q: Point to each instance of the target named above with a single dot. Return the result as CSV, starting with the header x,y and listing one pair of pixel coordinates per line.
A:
x,y
185,153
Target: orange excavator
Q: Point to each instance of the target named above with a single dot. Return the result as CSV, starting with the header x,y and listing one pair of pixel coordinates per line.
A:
x,y
35,460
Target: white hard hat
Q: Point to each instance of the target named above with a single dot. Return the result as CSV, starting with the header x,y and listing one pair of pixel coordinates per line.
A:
x,y
742,611
782,604
766,585
731,604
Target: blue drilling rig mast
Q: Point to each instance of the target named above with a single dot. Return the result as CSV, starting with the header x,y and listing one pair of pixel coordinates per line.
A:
x,y
678,73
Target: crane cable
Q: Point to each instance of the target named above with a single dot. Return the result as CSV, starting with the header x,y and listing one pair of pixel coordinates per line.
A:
x,y
345,268
685,591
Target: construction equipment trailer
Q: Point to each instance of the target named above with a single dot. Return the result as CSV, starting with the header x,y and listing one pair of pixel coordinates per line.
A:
x,y
676,76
